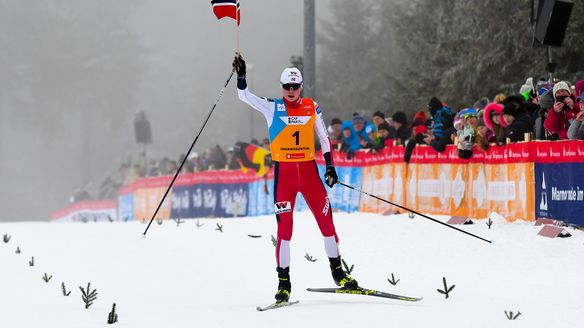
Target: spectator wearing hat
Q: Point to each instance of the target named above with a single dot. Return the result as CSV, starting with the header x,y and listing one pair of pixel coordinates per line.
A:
x,y
385,137
576,129
564,109
442,116
419,133
400,124
493,119
359,125
350,140
518,123
376,144
378,118
466,134
484,135
335,132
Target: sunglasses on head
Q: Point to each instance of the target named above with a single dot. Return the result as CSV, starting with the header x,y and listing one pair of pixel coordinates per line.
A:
x,y
293,86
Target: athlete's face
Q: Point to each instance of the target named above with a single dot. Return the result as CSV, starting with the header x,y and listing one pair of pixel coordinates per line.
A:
x,y
291,92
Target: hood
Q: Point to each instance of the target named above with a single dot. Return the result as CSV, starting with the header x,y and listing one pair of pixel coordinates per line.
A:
x,y
498,108
579,87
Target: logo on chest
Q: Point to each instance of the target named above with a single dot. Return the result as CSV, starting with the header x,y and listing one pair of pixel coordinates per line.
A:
x,y
295,120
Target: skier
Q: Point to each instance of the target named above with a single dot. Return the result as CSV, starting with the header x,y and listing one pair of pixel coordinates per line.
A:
x,y
292,121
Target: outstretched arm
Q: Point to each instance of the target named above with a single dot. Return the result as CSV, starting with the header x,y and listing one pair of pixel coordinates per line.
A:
x,y
263,105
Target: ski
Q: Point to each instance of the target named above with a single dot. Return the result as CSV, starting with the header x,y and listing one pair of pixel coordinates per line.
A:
x,y
276,305
365,292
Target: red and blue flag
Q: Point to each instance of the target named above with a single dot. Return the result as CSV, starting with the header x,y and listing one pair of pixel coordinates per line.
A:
x,y
227,8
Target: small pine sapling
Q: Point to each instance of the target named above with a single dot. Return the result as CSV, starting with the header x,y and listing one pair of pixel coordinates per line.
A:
x,y
65,292
159,221
411,215
219,227
6,238
274,242
112,317
31,262
179,222
392,280
309,258
88,296
510,315
47,278
255,236
199,224
347,269
489,223
17,250
447,289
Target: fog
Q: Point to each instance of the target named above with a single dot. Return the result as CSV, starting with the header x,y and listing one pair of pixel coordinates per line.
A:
x,y
74,73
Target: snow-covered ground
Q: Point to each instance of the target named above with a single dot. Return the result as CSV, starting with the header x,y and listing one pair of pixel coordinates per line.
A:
x,y
199,277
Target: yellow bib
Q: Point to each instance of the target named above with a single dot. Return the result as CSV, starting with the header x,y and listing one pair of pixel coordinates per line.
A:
x,y
292,132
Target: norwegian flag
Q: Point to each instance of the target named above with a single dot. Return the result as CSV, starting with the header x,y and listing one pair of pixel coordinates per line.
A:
x,y
226,8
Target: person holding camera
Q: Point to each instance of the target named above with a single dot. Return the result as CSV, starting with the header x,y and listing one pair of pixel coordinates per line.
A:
x,y
564,109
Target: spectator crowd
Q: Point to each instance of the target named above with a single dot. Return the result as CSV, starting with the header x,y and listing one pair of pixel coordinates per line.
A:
x,y
539,111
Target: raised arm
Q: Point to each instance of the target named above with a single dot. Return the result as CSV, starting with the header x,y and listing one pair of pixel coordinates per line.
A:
x,y
261,104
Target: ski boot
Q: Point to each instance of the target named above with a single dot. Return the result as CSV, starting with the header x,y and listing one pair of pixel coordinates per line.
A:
x,y
284,286
340,276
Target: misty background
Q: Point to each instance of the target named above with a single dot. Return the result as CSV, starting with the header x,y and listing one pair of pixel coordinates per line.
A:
x,y
74,73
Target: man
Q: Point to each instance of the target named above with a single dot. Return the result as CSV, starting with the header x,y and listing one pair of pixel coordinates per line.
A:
x,y
335,133
360,125
400,124
292,122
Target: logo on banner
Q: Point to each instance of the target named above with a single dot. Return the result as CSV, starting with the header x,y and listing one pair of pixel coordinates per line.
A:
x,y
282,207
543,204
295,120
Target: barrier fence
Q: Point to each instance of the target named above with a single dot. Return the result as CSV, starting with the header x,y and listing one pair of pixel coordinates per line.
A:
x,y
518,181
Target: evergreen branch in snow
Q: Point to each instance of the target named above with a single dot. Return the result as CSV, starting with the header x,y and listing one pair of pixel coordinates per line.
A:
x,y
31,262
411,215
47,278
219,227
65,292
199,224
489,223
392,280
274,241
309,258
88,296
347,269
178,222
6,238
159,221
447,289
255,236
17,250
112,317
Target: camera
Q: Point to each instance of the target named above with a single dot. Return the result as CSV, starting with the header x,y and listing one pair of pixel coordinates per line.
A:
x,y
562,100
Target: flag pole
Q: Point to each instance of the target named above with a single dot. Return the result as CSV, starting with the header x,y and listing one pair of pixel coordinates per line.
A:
x,y
237,24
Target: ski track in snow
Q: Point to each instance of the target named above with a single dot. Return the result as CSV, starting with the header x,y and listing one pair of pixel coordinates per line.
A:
x,y
200,277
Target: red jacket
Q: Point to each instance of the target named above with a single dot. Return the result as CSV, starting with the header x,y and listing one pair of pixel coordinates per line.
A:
x,y
558,122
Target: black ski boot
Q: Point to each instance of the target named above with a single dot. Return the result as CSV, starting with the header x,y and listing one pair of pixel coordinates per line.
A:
x,y
340,276
284,286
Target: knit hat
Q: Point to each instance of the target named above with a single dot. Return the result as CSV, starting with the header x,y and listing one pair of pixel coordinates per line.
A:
x,y
434,105
380,114
336,121
510,110
481,103
513,99
399,117
369,129
562,85
357,118
419,118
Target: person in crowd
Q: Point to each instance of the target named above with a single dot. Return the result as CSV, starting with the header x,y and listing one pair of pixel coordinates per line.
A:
x,y
576,129
217,159
231,162
359,125
518,123
292,148
378,119
335,132
493,119
499,98
481,103
376,144
563,110
385,137
418,134
447,132
350,139
484,135
400,124
466,134
442,117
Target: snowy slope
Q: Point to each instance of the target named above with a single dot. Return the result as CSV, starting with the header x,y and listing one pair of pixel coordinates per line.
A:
x,y
199,277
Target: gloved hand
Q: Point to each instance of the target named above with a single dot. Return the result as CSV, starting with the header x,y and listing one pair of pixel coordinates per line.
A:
x,y
330,176
239,65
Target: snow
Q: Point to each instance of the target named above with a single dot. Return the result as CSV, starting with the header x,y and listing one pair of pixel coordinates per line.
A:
x,y
199,277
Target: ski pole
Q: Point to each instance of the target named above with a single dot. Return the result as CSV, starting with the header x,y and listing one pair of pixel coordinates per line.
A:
x,y
190,149
412,211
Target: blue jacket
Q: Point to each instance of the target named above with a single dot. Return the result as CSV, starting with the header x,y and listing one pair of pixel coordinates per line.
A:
x,y
363,133
353,140
442,120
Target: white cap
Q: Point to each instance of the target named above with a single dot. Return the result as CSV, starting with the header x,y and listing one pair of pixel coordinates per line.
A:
x,y
291,75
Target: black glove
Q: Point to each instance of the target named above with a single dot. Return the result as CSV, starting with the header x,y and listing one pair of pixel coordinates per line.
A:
x,y
239,65
330,176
